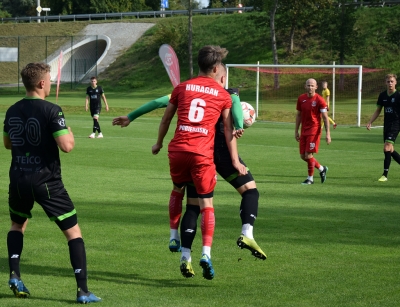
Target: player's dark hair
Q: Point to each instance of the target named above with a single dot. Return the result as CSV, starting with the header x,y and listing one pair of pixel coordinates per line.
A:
x,y
33,73
93,78
209,57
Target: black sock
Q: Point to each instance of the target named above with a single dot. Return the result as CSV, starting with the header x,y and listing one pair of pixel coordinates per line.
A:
x,y
249,206
386,162
15,243
396,156
77,255
189,225
96,126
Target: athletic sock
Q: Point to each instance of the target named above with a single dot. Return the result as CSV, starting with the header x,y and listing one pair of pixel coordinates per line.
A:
x,y
249,206
207,225
77,255
175,209
186,254
396,156
189,225
386,162
15,243
247,231
311,164
95,125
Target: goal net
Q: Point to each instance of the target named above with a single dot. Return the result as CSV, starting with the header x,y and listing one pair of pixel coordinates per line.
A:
x,y
273,89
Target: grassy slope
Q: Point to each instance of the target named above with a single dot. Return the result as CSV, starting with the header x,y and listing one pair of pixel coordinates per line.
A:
x,y
246,36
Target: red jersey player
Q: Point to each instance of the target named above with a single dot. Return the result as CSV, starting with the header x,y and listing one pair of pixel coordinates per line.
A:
x,y
199,103
310,107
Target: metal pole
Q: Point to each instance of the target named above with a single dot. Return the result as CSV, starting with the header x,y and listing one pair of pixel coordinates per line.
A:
x,y
258,87
333,90
359,95
38,13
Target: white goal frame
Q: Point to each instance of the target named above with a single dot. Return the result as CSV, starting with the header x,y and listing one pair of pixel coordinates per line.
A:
x,y
333,67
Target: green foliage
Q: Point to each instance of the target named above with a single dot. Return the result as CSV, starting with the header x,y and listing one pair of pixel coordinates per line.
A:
x,y
331,244
174,34
19,7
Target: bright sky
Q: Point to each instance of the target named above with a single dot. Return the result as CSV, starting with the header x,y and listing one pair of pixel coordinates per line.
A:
x,y
204,3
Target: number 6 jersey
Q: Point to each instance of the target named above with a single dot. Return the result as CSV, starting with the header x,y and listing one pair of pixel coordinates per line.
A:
x,y
200,102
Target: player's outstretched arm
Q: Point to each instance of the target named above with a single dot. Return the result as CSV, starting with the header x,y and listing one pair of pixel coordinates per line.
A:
x,y
122,121
158,103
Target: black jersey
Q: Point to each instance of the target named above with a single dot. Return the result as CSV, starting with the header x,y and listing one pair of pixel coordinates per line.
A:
x,y
391,106
32,125
220,141
94,96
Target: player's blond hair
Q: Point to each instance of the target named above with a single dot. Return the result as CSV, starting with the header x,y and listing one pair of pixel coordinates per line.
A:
x,y
388,76
33,73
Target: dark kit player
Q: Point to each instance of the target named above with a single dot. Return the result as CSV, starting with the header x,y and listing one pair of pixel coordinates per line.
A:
x,y
94,95
34,131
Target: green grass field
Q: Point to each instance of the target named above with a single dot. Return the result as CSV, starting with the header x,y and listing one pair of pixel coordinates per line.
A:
x,y
334,244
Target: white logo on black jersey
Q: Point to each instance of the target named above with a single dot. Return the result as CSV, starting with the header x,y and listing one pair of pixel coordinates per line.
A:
x,y
61,122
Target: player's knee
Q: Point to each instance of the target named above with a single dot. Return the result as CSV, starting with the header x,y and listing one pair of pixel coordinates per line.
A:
x,y
251,193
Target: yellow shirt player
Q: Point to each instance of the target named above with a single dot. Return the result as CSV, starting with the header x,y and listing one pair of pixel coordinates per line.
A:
x,y
326,94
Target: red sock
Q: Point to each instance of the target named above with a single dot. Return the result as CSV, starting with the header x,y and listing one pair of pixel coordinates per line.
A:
x,y
311,164
317,165
207,225
175,209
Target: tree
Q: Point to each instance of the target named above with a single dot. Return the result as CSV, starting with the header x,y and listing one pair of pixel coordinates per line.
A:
x,y
19,8
270,6
339,28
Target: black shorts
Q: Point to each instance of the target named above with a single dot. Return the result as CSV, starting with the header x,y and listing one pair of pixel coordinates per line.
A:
x,y
223,163
94,112
52,196
390,132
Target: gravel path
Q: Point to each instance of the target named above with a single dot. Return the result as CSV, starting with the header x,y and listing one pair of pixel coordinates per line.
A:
x,y
122,36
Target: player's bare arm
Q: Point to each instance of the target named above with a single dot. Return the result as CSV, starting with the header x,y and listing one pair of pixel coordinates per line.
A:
x,y
87,103
7,142
298,121
373,117
105,101
164,126
326,121
66,142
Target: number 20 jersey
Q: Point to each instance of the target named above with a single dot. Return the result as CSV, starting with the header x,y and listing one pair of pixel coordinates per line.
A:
x,y
200,102
32,125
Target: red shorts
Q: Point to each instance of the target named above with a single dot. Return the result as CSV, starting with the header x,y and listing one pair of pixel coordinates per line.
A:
x,y
309,143
190,167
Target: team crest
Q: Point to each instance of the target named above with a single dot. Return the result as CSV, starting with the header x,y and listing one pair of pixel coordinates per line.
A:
x,y
61,122
313,104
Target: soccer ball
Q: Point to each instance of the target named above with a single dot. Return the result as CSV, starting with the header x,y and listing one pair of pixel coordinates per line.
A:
x,y
249,114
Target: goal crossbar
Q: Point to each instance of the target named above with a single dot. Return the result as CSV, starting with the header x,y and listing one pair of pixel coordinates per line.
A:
x,y
333,67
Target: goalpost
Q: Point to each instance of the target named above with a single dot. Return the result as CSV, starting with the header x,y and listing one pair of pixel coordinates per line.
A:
x,y
310,70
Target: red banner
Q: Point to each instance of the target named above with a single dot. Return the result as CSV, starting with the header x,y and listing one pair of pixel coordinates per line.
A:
x,y
171,63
